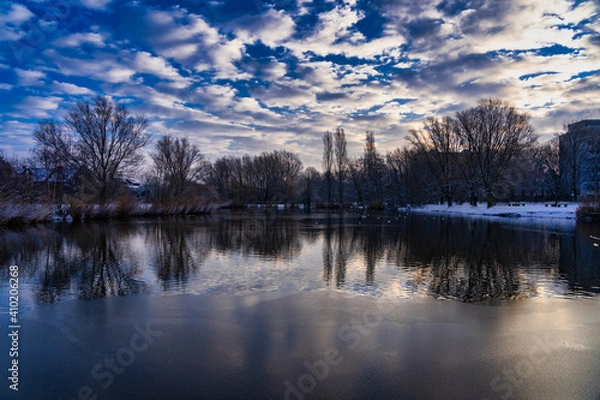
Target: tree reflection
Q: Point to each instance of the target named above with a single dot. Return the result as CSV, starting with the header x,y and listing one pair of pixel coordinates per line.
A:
x,y
87,263
467,259
474,260
57,271
104,270
579,258
373,248
337,244
341,257
179,249
327,254
269,237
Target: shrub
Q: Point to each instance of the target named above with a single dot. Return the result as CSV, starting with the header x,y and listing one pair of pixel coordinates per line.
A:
x,y
15,213
589,209
127,206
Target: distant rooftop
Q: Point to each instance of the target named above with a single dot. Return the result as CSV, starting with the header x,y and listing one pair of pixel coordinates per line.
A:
x,y
58,174
585,123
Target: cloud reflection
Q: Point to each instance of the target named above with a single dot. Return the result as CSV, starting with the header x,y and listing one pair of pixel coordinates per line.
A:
x,y
470,260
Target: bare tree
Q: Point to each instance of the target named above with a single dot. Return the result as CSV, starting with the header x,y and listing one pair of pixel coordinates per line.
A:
x,y
9,186
101,140
374,166
310,178
550,158
267,178
530,175
493,133
231,177
290,168
439,145
356,173
341,159
328,162
178,164
219,176
398,164
54,145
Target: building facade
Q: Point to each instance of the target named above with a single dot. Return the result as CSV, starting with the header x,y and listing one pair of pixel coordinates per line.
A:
x,y
579,155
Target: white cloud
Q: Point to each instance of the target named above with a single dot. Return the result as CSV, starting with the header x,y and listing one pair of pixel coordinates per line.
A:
x,y
11,21
16,137
145,62
103,67
272,28
69,88
30,77
181,51
38,107
334,35
442,67
95,4
224,55
78,39
189,39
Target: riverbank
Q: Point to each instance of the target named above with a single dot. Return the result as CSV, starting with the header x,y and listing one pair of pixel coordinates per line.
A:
x,y
561,210
12,214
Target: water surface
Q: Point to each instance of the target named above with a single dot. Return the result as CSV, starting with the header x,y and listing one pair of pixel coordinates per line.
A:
x,y
390,256
250,305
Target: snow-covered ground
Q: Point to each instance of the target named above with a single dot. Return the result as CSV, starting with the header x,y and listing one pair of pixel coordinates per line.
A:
x,y
526,210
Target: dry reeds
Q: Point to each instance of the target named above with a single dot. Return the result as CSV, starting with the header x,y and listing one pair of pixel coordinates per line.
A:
x,y
589,209
24,214
82,209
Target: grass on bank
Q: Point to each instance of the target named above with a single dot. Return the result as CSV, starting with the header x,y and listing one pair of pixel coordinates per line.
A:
x,y
589,209
81,209
23,214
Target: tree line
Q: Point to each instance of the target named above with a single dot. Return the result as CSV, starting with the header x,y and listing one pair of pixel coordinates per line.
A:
x,y
485,153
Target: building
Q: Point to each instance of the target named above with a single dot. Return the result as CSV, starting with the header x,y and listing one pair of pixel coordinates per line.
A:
x,y
579,155
48,183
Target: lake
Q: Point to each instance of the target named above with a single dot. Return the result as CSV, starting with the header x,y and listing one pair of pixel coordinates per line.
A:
x,y
265,304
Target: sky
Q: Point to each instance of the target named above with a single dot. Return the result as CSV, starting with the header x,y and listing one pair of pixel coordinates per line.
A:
x,y
247,76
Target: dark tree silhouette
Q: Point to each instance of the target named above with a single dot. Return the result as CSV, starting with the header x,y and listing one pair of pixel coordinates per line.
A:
x,y
439,145
328,162
101,140
341,160
178,164
374,168
494,134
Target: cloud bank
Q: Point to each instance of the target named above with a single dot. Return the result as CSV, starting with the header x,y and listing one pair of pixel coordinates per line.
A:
x,y
244,77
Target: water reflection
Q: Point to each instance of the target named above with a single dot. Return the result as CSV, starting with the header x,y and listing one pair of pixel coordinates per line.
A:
x,y
268,236
179,250
474,260
466,259
88,263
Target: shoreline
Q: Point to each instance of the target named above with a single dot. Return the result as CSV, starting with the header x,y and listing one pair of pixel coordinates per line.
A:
x,y
32,214
565,211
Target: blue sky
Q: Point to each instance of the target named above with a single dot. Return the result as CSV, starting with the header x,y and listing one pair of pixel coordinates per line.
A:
x,y
247,76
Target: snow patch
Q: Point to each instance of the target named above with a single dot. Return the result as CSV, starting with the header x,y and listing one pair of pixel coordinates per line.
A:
x,y
527,210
